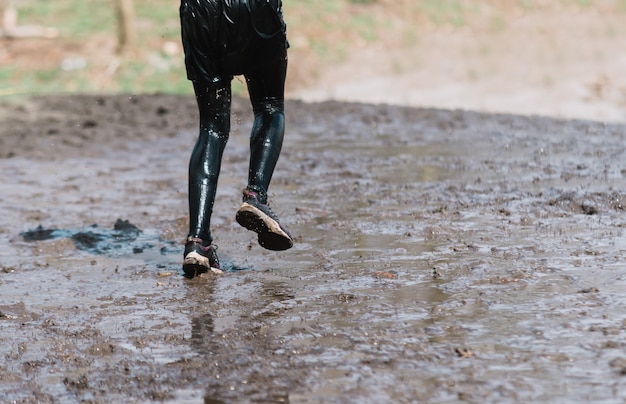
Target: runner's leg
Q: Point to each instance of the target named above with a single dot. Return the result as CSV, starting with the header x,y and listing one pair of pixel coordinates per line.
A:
x,y
214,100
266,88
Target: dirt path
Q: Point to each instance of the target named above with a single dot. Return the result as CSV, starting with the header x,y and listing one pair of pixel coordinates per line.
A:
x,y
441,257
564,62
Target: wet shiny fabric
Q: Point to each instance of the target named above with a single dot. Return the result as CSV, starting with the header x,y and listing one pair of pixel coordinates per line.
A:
x,y
253,41
231,37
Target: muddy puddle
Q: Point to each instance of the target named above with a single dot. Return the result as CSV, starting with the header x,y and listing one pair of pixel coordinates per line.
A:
x,y
441,256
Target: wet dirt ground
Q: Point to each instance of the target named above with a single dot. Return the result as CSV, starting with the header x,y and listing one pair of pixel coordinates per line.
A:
x,y
441,256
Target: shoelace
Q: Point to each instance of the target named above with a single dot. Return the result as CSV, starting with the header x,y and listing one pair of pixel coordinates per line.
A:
x,y
265,207
200,243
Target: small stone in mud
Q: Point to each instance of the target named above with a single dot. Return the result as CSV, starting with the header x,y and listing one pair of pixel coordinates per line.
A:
x,y
589,209
463,352
125,231
102,349
86,240
526,221
437,274
589,290
38,234
80,383
385,275
125,226
619,364
7,316
90,123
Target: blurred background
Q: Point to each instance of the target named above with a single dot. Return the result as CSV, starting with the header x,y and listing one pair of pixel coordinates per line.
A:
x,y
563,58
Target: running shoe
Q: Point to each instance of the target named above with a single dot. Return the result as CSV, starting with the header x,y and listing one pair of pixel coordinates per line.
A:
x,y
259,218
200,258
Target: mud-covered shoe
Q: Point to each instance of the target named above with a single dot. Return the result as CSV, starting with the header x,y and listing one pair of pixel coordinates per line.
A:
x,y
200,258
258,217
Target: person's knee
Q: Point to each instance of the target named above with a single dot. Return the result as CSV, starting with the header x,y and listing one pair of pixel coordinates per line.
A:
x,y
270,107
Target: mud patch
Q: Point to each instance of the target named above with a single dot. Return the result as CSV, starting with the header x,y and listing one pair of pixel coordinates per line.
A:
x,y
122,239
441,256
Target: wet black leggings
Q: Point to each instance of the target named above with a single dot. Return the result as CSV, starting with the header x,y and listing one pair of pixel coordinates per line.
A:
x,y
266,88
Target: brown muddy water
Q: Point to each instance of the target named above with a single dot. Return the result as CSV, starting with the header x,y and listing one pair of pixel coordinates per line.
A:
x,y
441,256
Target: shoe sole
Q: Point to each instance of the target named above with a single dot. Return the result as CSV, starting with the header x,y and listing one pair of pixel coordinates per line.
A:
x,y
270,235
195,264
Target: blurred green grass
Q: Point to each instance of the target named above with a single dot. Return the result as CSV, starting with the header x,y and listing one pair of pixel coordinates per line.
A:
x,y
322,32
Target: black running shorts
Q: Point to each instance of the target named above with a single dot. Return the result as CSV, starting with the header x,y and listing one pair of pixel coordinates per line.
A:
x,y
231,37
